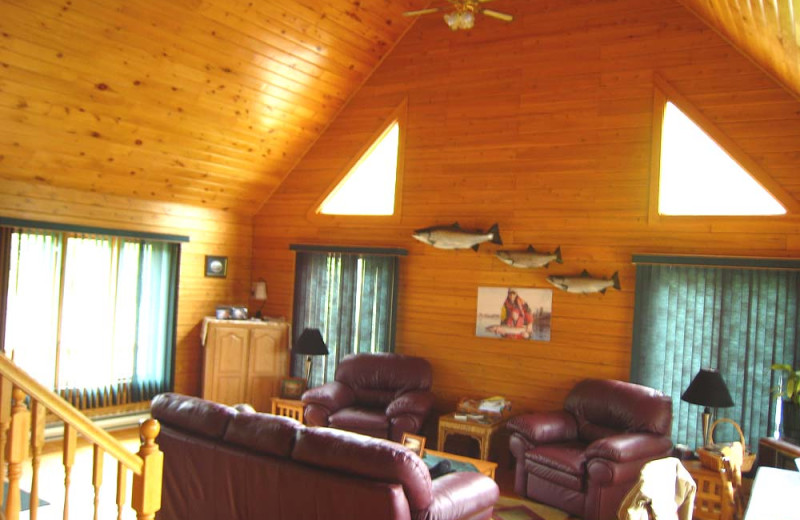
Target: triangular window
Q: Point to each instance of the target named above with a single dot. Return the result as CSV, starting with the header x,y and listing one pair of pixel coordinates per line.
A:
x,y
369,186
698,177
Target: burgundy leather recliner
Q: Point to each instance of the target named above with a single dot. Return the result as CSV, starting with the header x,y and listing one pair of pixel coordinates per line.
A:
x,y
380,395
584,459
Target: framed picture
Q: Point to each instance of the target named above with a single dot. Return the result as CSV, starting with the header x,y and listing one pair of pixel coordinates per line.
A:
x,y
238,313
514,313
414,443
216,266
224,312
292,387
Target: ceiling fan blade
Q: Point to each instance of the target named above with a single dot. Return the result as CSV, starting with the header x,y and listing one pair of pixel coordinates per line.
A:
x,y
497,14
421,11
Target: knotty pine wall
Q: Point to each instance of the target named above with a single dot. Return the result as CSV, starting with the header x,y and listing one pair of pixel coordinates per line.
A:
x,y
211,232
543,126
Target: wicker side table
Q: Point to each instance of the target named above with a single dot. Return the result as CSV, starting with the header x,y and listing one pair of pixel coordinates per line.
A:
x,y
480,431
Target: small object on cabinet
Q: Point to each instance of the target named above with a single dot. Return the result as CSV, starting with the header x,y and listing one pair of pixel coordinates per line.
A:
x,y
224,312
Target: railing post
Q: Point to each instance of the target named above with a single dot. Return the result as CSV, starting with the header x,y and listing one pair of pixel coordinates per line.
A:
x,y
5,420
146,492
17,451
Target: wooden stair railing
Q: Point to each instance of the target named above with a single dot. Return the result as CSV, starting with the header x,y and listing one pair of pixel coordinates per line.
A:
x,y
22,434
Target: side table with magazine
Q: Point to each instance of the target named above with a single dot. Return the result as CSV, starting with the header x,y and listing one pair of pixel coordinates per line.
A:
x,y
477,426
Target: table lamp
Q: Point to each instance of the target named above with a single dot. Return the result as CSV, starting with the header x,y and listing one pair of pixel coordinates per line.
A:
x,y
310,343
708,389
258,292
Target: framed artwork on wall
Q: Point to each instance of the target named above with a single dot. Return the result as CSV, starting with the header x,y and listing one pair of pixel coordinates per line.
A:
x,y
216,266
514,313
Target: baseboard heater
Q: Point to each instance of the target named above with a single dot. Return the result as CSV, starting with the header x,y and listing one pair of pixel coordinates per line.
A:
x,y
55,430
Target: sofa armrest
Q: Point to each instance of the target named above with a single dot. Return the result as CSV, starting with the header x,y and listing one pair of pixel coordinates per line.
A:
x,y
627,447
418,402
545,427
460,495
332,396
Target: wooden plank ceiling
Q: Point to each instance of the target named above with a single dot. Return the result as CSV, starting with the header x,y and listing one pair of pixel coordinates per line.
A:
x,y
212,102
766,30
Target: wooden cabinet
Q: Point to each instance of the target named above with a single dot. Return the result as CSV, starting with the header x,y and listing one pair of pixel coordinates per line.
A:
x,y
244,361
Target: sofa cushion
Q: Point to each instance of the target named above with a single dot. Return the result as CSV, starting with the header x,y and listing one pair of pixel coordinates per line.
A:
x,y
567,457
192,414
360,419
263,433
364,456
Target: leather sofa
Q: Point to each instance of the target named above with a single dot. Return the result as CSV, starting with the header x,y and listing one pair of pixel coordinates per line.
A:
x,y
380,395
585,458
223,464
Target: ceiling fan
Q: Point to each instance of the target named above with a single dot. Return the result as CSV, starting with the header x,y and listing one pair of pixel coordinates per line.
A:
x,y
463,15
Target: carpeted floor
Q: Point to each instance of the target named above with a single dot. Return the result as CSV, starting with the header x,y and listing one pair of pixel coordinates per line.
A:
x,y
508,508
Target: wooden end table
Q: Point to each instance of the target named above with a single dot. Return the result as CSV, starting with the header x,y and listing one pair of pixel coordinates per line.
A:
x,y
479,430
483,466
708,503
291,408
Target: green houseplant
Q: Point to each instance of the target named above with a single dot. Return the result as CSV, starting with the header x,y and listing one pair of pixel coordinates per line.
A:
x,y
789,392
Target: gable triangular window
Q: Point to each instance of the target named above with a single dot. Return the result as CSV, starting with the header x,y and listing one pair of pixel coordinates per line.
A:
x,y
368,188
700,171
698,177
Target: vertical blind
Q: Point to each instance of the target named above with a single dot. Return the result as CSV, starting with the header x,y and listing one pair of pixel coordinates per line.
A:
x,y
351,298
92,316
736,320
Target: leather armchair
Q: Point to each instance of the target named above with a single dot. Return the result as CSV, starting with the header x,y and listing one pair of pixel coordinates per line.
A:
x,y
585,458
381,395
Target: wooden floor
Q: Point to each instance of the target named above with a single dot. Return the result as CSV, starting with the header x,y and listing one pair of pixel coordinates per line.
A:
x,y
81,492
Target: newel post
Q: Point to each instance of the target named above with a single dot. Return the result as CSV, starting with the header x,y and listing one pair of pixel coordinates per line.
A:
x,y
17,449
146,492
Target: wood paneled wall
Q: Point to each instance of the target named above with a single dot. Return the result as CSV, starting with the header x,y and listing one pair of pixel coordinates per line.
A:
x,y
543,126
211,232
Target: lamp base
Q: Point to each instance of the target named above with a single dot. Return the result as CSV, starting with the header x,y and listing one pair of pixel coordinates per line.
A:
x,y
706,424
308,371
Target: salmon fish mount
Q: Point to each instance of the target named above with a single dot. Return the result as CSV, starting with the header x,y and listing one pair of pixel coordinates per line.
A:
x,y
454,237
529,258
585,284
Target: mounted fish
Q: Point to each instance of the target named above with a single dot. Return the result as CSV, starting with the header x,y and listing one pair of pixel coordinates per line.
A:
x,y
453,237
529,258
584,284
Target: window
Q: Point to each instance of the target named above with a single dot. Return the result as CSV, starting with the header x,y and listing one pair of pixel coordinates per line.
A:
x,y
350,297
738,320
371,184
92,316
693,170
368,189
699,171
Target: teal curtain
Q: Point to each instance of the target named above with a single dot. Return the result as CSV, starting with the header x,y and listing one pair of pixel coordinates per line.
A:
x,y
351,299
738,321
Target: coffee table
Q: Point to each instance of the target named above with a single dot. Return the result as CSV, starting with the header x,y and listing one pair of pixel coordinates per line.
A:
x,y
483,466
481,431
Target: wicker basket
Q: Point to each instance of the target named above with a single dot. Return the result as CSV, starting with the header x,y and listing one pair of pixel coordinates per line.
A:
x,y
711,457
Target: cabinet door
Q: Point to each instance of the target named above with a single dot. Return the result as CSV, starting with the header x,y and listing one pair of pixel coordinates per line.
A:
x,y
268,359
226,366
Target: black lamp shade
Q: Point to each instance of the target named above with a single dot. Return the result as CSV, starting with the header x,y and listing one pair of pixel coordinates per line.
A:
x,y
708,389
310,343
